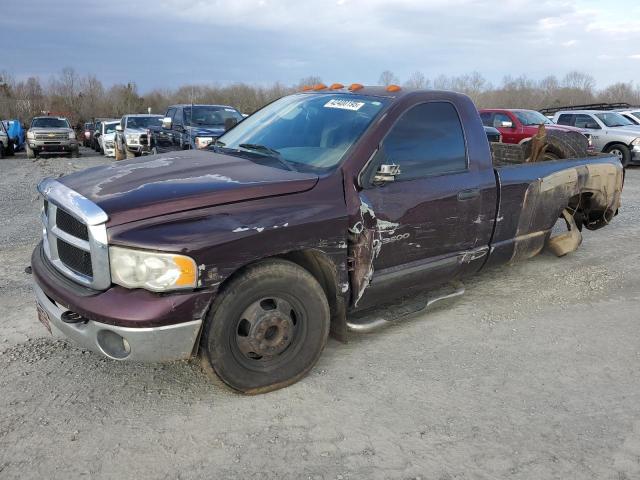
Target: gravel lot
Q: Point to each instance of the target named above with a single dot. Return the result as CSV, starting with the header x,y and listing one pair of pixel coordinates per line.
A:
x,y
532,374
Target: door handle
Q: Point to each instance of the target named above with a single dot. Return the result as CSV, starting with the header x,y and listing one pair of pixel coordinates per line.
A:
x,y
468,194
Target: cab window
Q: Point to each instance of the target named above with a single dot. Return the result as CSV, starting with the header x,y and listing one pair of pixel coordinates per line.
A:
x,y
427,140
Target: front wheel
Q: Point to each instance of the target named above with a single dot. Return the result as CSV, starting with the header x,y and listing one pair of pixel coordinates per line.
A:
x,y
267,328
622,152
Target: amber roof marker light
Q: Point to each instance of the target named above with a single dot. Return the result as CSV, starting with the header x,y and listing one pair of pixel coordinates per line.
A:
x,y
336,86
306,88
393,88
356,86
320,86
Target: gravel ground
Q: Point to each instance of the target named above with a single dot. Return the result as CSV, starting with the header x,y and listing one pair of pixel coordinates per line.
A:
x,y
532,374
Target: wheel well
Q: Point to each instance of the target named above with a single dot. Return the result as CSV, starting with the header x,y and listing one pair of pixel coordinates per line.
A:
x,y
612,144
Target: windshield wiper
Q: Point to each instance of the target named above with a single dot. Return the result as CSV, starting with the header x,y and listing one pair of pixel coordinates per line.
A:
x,y
271,152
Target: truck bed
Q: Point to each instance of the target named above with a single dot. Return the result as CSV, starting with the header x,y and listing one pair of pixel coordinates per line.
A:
x,y
590,186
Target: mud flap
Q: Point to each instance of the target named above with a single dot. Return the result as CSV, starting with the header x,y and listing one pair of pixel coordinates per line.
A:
x,y
566,242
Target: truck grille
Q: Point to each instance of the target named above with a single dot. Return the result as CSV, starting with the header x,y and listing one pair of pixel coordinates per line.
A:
x,y
52,136
75,258
74,235
71,225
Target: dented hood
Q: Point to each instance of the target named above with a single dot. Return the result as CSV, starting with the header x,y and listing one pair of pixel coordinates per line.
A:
x,y
160,184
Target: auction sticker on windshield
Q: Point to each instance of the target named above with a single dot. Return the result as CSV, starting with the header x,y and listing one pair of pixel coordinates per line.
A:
x,y
344,104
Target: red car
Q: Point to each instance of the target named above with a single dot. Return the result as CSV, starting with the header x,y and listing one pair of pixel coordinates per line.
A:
x,y
518,126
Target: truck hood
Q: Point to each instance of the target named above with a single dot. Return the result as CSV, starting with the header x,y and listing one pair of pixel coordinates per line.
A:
x,y
160,184
205,131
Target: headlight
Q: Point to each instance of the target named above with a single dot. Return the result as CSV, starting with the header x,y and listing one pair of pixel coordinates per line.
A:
x,y
132,138
72,136
153,271
636,142
31,135
203,142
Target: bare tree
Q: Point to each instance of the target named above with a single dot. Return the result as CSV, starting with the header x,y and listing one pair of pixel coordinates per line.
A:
x,y
388,78
417,80
309,81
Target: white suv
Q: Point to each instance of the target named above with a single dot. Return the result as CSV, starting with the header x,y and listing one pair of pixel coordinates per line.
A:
x,y
611,132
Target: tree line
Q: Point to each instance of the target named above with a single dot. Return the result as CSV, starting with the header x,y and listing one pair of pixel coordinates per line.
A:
x,y
82,98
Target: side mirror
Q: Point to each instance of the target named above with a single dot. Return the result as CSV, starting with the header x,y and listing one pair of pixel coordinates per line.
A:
x,y
386,173
506,124
229,123
118,128
166,122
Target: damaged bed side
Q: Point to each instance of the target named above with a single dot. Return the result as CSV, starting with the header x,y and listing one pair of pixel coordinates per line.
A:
x,y
581,192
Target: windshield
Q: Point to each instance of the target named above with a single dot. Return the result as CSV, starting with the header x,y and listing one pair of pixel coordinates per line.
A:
x,y
613,119
110,127
308,132
531,117
143,122
210,116
50,122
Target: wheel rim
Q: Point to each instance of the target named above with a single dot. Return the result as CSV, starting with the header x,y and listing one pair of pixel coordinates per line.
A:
x,y
267,333
618,153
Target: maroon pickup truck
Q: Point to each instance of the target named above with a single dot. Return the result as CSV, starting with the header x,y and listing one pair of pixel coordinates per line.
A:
x,y
315,208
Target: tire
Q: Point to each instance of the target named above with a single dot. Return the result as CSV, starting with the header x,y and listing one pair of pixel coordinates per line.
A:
x,y
30,153
561,145
267,328
10,151
622,152
1,150
75,153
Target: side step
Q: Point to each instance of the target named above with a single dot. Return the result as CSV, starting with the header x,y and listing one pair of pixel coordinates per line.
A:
x,y
367,323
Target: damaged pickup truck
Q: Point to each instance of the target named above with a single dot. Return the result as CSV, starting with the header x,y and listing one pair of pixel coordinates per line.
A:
x,y
318,206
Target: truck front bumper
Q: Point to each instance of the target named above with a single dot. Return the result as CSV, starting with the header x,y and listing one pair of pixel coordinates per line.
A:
x,y
154,344
53,146
119,323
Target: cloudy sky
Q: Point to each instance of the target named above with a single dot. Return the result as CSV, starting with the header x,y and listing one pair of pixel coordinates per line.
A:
x,y
167,43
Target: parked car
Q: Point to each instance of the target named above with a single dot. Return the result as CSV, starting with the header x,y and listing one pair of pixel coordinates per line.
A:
x,y
16,133
493,134
6,145
519,126
51,135
87,139
106,137
100,129
182,131
314,208
610,131
132,135
632,115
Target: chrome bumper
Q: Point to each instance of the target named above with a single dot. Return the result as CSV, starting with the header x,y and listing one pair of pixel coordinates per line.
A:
x,y
156,344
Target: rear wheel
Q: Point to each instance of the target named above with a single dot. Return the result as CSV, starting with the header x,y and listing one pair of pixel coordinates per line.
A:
x,y
622,152
268,327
